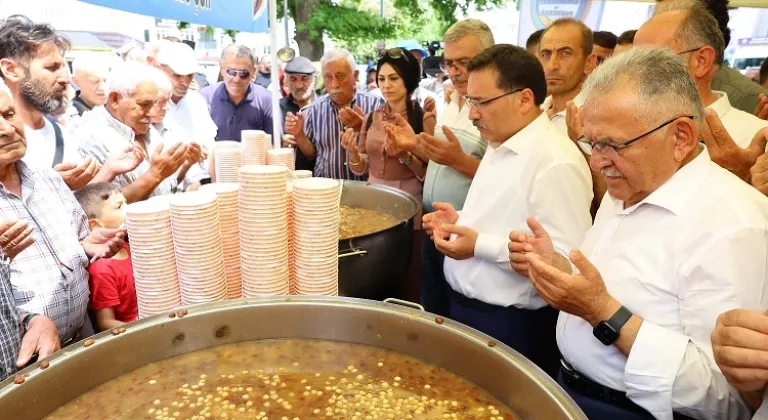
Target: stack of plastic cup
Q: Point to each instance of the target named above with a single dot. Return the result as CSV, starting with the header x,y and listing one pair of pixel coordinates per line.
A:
x,y
198,248
227,197
316,217
228,160
154,265
264,230
255,144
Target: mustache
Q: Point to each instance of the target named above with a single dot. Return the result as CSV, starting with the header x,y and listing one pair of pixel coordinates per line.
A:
x,y
611,171
336,91
460,79
479,124
554,73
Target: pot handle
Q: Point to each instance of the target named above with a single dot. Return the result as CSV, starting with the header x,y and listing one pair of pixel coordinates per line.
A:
x,y
405,303
352,252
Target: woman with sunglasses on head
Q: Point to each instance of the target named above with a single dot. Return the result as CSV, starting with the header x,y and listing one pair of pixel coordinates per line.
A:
x,y
386,161
378,154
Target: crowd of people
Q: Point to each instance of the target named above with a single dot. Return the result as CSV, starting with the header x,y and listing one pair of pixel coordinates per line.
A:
x,y
597,203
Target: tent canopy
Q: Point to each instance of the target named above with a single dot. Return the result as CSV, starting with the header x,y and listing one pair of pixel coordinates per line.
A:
x,y
733,3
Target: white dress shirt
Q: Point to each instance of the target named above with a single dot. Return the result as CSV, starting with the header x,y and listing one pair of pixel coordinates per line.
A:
x,y
41,146
742,126
192,116
693,249
762,412
537,172
558,119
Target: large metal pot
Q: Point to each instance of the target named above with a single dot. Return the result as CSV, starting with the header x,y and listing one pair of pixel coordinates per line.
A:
x,y
370,265
501,371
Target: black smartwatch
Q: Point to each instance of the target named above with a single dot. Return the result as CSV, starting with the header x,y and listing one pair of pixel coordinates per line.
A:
x,y
608,331
27,320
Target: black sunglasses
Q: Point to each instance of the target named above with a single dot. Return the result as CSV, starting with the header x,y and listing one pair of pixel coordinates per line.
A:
x,y
244,74
393,53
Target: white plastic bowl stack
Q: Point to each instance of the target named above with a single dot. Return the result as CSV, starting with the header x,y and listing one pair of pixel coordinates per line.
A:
x,y
198,248
227,197
283,156
316,235
255,144
264,230
301,174
154,265
228,160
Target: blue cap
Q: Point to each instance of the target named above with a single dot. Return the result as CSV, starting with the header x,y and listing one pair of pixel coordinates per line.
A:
x,y
412,45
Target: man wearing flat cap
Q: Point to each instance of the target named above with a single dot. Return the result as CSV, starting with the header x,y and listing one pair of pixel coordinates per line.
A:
x,y
300,76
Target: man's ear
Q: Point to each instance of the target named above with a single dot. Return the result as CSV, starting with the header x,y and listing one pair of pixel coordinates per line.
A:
x,y
590,65
12,70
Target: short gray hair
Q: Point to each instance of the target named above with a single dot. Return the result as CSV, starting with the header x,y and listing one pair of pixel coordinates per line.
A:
x,y
239,51
98,65
126,78
338,54
661,80
161,80
699,28
467,27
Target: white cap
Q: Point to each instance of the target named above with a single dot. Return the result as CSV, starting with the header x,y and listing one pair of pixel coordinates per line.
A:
x,y
179,57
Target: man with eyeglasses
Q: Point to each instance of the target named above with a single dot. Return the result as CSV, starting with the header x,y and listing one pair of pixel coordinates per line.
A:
x,y
677,241
529,169
692,33
237,104
300,74
566,53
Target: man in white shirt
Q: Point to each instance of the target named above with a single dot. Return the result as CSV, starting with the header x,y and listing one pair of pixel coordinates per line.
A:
x,y
565,51
677,241
187,107
740,345
34,68
689,30
528,169
453,153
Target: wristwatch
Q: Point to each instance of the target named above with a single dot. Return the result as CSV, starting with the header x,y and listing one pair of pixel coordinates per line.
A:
x,y
608,331
27,320
408,160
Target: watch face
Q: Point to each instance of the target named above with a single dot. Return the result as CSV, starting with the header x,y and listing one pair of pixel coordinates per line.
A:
x,y
605,333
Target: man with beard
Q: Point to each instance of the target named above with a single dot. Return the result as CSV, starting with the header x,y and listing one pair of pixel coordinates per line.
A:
x,y
187,107
90,75
300,75
33,67
263,76
565,52
237,104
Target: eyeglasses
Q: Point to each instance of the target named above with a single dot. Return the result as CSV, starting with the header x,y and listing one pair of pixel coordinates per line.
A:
x,y
458,65
688,51
393,53
480,105
608,146
244,74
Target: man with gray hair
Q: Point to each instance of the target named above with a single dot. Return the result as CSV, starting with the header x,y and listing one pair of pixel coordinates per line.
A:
x,y
689,30
123,122
317,129
89,73
236,103
637,313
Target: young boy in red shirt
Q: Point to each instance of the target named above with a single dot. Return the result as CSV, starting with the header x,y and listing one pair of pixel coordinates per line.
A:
x,y
113,293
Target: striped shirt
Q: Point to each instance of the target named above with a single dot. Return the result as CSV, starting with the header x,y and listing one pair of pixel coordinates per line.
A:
x,y
50,276
322,127
11,328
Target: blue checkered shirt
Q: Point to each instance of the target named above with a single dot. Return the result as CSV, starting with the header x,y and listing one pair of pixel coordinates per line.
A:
x,y
10,324
50,277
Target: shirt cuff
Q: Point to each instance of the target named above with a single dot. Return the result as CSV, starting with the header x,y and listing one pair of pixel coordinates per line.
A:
x,y
488,247
652,367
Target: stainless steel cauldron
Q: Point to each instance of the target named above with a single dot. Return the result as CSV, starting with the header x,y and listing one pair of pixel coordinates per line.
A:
x,y
498,369
370,265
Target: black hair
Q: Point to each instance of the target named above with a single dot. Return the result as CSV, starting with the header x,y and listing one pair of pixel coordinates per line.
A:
x,y
534,39
586,32
605,39
515,68
627,37
409,71
93,196
20,38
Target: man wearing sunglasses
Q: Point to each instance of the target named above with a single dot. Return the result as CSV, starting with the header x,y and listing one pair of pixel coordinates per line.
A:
x,y
676,242
692,33
529,169
237,104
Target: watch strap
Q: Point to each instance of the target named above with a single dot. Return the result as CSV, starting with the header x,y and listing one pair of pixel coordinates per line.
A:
x,y
27,320
619,318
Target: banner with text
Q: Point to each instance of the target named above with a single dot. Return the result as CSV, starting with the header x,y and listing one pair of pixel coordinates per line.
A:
x,y
538,14
240,15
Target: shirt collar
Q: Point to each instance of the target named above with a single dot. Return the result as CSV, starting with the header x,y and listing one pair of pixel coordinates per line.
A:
x,y
675,194
722,106
113,123
578,100
528,136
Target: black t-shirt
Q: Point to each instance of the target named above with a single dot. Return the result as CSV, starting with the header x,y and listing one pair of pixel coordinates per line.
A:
x,y
80,105
302,162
